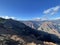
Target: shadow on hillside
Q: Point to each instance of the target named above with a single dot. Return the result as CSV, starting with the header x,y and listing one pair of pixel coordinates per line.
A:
x,y
32,35
13,27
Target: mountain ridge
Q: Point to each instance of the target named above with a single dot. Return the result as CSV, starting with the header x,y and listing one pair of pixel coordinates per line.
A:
x,y
9,28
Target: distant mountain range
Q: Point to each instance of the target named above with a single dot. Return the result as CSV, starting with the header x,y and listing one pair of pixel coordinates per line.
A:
x,y
49,26
28,32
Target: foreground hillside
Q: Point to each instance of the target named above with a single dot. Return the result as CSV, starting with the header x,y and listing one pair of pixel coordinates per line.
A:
x,y
17,33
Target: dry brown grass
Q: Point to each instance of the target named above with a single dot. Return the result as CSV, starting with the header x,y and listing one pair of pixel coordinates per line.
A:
x,y
49,43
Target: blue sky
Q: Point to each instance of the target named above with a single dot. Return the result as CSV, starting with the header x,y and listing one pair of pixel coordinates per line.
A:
x,y
30,9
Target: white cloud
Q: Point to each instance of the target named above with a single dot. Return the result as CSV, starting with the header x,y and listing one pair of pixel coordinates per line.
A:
x,y
44,19
57,18
37,19
40,19
52,10
56,8
47,11
7,17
